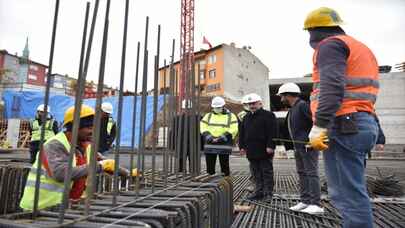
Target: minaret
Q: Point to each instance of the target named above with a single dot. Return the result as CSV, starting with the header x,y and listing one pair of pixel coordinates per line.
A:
x,y
26,51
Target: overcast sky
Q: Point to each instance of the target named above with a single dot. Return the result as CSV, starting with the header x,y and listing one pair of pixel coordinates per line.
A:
x,y
272,28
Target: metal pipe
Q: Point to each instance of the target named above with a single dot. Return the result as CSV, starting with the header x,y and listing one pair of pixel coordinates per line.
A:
x,y
46,102
91,180
120,103
76,122
134,116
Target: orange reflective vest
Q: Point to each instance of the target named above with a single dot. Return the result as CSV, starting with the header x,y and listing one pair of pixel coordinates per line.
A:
x,y
361,79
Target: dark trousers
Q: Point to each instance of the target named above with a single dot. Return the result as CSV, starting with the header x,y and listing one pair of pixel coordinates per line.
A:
x,y
211,160
34,148
262,171
306,162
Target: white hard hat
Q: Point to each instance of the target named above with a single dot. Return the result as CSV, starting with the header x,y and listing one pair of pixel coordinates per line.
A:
x,y
107,107
289,88
253,97
41,108
244,99
217,102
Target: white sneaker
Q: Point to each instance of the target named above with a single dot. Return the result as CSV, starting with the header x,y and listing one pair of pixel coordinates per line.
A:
x,y
300,206
313,210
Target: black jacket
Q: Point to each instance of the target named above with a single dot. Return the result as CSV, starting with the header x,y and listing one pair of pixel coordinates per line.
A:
x,y
256,134
106,139
300,120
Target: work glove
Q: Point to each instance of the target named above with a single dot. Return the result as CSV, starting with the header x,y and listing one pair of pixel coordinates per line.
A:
x,y
223,139
209,138
318,138
107,165
135,172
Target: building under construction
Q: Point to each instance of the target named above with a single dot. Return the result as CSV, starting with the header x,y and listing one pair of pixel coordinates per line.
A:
x,y
158,134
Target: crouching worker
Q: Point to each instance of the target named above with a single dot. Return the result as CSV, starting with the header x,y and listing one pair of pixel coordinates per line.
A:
x,y
55,158
218,128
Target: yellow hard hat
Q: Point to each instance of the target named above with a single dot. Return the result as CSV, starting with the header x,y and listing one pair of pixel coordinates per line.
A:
x,y
84,112
322,17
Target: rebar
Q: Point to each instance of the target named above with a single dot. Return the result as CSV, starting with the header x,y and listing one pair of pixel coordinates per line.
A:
x,y
134,116
46,102
165,145
120,101
76,121
91,181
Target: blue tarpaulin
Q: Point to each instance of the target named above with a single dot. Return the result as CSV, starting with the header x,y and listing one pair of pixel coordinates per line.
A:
x,y
23,105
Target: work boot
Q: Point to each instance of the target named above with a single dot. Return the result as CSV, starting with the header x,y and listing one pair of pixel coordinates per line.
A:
x,y
300,206
256,196
313,210
268,197
250,188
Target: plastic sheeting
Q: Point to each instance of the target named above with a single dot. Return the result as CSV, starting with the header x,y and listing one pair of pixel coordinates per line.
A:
x,y
23,105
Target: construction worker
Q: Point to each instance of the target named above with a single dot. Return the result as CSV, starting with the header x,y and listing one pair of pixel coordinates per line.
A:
x,y
257,131
107,128
51,128
54,159
219,129
299,123
345,77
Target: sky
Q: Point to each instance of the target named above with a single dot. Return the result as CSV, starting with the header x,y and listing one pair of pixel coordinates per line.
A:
x,y
272,28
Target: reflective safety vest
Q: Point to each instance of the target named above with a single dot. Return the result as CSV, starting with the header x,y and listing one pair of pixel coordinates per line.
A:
x,y
242,115
36,130
361,79
217,125
110,125
51,190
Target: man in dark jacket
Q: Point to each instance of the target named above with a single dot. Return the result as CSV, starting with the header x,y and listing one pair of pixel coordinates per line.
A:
x,y
107,128
257,131
299,123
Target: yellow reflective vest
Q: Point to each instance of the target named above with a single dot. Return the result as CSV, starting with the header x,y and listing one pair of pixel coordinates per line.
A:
x,y
50,190
36,130
217,125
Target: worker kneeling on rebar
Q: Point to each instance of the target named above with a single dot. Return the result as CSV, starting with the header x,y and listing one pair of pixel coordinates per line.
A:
x,y
55,158
219,129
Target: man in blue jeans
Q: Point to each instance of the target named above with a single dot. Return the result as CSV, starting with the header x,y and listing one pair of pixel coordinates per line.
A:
x,y
345,77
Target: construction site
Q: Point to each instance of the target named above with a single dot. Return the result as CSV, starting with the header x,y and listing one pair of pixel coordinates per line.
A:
x,y
159,177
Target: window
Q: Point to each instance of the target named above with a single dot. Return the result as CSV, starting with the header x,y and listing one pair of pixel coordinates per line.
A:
x,y
212,59
213,87
32,77
212,73
33,67
202,75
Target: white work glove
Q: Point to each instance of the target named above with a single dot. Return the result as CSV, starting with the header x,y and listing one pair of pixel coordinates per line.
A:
x,y
318,138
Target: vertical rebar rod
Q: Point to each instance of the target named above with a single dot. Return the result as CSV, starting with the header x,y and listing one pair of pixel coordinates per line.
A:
x,y
172,109
164,145
120,103
198,119
154,123
144,92
76,122
134,117
155,107
193,136
91,180
177,129
46,102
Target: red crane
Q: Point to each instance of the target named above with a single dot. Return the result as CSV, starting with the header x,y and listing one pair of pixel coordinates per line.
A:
x,y
186,48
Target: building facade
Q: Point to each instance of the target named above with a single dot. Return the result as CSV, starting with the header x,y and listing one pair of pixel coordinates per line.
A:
x,y
224,70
